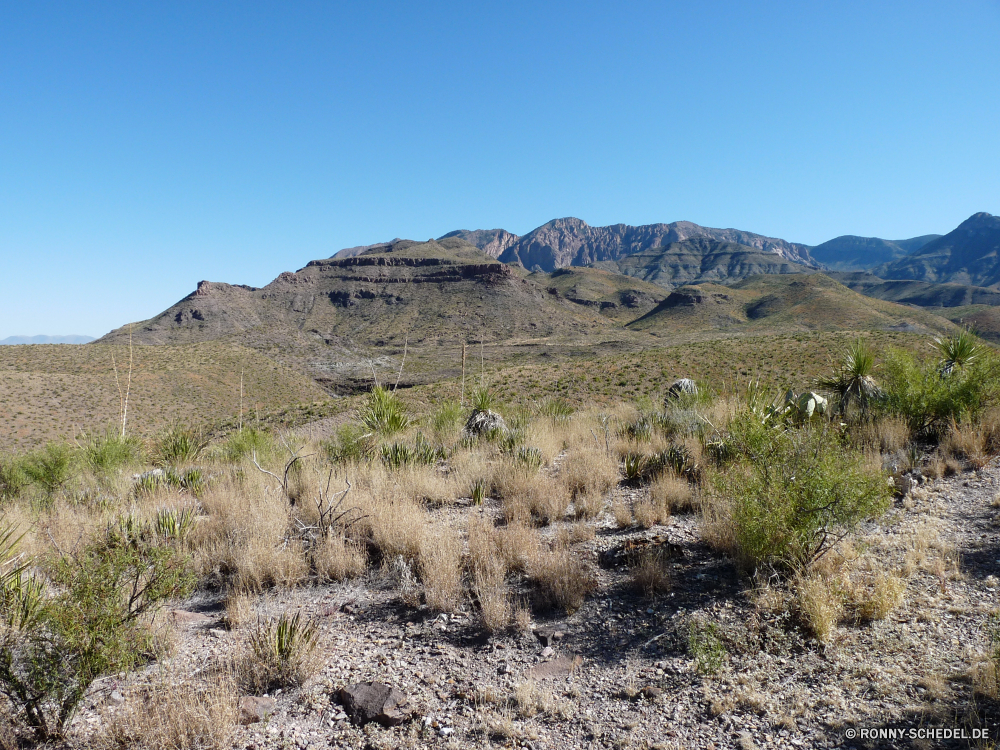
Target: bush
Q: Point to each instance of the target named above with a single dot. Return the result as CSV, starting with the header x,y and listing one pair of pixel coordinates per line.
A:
x,y
930,401
248,442
50,467
796,492
13,478
351,443
383,413
179,445
447,418
106,453
55,646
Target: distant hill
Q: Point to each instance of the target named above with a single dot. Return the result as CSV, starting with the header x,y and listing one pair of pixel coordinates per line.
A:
x,y
573,242
923,293
493,242
700,260
851,253
619,298
968,255
984,320
335,318
14,340
803,302
350,252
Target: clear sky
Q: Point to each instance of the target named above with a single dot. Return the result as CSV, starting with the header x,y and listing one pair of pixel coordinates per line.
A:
x,y
147,145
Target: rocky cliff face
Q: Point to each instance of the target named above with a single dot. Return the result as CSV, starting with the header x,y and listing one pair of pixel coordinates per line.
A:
x,y
493,242
573,242
968,255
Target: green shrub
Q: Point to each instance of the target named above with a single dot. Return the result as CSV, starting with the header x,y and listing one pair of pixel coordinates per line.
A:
x,y
351,443
633,466
929,401
795,492
556,408
398,455
179,445
107,453
248,442
483,399
92,624
13,478
51,467
447,418
705,646
382,413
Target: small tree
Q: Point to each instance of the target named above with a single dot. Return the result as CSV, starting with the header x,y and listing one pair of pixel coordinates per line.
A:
x,y
53,647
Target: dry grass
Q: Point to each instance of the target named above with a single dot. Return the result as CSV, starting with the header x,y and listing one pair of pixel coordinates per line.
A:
x,y
239,609
528,494
648,515
488,571
887,435
561,577
671,494
651,576
172,714
242,543
589,471
819,605
338,558
517,544
622,514
969,443
441,570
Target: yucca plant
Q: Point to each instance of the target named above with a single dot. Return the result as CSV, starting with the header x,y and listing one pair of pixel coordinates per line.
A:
x,y
957,351
633,466
383,413
279,653
853,383
483,399
479,492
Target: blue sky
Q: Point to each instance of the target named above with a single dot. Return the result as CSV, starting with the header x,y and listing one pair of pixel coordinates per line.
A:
x,y
146,146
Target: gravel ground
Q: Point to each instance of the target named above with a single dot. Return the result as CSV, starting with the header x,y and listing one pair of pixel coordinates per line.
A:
x,y
619,672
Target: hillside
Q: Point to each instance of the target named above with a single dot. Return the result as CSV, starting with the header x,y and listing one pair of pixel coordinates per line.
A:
x,y
701,260
493,242
616,297
968,255
922,293
573,242
337,318
851,253
775,303
54,392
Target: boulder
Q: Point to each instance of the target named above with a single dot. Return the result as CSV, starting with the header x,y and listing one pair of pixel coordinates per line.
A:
x,y
254,709
683,386
365,702
484,422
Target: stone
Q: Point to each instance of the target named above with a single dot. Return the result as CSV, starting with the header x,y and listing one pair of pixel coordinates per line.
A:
x,y
558,667
547,652
545,636
682,386
366,702
255,708
650,692
190,619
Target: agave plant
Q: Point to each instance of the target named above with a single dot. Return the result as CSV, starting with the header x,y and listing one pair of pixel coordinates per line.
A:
x,y
853,383
957,351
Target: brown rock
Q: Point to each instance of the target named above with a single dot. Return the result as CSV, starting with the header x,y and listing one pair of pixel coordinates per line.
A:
x,y
183,617
365,702
559,667
254,709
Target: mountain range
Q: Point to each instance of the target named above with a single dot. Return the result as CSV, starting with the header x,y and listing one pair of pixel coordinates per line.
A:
x,y
14,340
